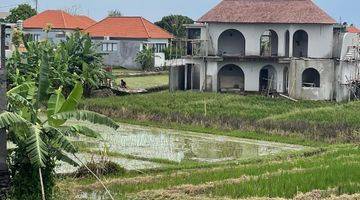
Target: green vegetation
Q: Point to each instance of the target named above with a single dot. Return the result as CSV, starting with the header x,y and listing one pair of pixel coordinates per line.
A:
x,y
280,176
146,59
73,60
37,111
39,141
175,24
21,12
320,121
145,82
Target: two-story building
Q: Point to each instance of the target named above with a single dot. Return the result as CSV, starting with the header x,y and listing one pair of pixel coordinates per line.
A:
x,y
255,45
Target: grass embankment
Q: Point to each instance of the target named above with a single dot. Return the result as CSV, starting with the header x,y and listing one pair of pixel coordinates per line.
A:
x,y
140,79
334,169
228,113
145,82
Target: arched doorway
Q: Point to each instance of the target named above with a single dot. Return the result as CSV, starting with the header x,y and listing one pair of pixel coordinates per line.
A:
x,y
269,43
231,78
300,44
268,78
287,44
311,78
286,80
231,43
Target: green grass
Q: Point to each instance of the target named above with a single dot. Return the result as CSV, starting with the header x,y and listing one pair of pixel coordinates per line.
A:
x,y
336,167
334,170
251,107
323,167
145,82
312,120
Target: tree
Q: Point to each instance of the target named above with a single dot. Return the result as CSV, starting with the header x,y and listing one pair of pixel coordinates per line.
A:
x,y
40,140
21,12
73,60
4,172
115,13
175,24
146,58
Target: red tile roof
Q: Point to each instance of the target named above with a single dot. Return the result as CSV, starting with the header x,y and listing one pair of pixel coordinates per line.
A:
x,y
59,20
87,20
127,27
267,11
352,29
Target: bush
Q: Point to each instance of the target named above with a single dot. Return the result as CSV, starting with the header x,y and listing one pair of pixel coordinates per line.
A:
x,y
73,60
99,168
146,59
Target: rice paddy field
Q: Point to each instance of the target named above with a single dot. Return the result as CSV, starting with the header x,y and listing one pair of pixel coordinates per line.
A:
x,y
323,163
313,120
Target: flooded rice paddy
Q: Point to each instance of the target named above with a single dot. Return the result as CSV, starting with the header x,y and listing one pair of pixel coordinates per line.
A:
x,y
138,147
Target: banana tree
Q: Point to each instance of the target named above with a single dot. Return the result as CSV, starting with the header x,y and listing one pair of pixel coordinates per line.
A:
x,y
41,139
4,172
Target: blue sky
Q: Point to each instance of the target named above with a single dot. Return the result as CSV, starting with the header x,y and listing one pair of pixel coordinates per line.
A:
x,y
155,9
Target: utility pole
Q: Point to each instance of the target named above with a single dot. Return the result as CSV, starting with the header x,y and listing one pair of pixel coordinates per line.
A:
x,y
4,170
36,5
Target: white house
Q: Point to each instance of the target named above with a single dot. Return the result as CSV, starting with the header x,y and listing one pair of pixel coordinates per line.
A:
x,y
246,45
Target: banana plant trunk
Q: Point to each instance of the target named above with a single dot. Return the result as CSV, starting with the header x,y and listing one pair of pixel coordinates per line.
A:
x,y
4,171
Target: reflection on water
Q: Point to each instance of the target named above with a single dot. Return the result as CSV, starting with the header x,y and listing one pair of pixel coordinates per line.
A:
x,y
180,146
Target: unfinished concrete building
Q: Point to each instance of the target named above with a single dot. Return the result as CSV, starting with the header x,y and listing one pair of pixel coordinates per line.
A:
x,y
283,46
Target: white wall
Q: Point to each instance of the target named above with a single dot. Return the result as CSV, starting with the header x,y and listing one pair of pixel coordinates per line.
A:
x,y
51,35
251,72
320,37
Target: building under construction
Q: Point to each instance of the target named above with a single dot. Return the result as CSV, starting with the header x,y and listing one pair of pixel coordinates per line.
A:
x,y
272,46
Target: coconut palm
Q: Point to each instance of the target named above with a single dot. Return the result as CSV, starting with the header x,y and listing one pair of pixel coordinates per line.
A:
x,y
36,125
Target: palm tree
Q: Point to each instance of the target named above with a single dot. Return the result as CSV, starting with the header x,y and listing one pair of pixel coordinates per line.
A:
x,y
4,171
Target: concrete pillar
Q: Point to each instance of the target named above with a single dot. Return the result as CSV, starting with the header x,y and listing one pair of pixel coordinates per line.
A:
x,y
291,44
186,77
252,45
281,43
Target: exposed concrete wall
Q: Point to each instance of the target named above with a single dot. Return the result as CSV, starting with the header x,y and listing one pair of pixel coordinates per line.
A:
x,y
326,69
345,70
125,54
127,50
320,37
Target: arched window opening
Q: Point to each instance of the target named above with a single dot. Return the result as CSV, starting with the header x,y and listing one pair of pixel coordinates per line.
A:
x,y
311,78
231,79
267,79
231,43
269,43
300,44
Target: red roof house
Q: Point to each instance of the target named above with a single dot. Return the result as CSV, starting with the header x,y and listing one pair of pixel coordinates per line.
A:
x,y
352,29
127,27
59,20
268,11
